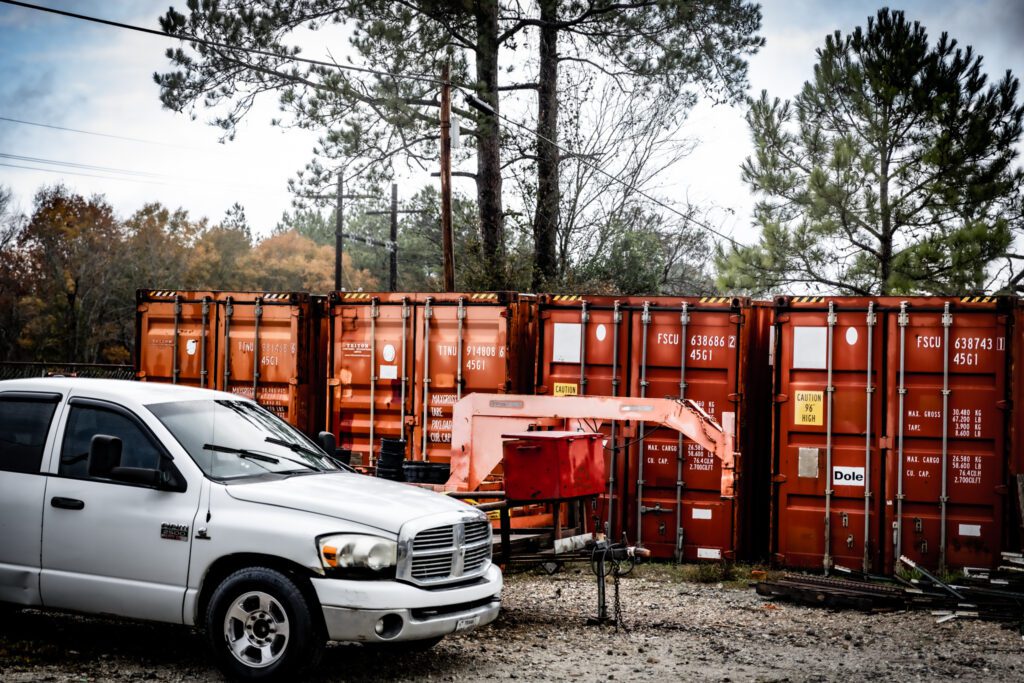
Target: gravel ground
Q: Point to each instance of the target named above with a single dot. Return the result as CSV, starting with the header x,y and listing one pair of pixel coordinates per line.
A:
x,y
677,630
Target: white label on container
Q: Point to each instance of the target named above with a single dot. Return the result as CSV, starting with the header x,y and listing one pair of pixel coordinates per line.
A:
x,y
701,513
851,335
566,343
848,476
970,530
810,347
389,352
601,332
191,346
389,372
709,554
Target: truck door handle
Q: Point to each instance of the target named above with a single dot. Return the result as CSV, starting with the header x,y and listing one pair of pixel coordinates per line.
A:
x,y
67,503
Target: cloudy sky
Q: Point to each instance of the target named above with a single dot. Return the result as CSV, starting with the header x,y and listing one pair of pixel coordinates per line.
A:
x,y
72,74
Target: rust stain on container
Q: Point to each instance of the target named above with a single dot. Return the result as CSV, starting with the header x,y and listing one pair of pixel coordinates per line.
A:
x,y
890,431
454,344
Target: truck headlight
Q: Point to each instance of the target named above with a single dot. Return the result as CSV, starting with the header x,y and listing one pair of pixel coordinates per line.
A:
x,y
358,556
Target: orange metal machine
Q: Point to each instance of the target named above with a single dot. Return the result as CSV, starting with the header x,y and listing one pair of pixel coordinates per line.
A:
x,y
480,420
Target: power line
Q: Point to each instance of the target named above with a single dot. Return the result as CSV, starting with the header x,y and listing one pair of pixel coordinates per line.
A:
x,y
75,168
90,132
212,43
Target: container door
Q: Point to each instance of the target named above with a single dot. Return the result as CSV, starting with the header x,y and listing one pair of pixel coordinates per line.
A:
x,y
462,347
370,396
175,338
263,342
687,350
828,415
945,470
583,345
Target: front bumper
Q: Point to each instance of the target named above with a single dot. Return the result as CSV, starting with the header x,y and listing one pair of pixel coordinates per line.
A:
x,y
390,611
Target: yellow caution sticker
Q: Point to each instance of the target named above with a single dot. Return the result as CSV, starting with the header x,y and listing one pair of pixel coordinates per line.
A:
x,y
810,408
566,389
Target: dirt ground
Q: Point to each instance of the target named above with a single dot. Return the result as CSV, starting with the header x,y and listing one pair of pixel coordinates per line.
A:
x,y
677,629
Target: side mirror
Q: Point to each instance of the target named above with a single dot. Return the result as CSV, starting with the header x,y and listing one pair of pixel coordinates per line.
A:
x,y
327,442
140,475
104,455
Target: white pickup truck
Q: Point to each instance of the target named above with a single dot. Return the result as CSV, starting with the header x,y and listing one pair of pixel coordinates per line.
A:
x,y
196,507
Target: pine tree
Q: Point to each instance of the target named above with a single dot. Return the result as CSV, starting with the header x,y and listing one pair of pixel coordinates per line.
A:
x,y
891,172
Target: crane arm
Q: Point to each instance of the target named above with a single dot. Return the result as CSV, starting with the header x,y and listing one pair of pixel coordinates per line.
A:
x,y
479,420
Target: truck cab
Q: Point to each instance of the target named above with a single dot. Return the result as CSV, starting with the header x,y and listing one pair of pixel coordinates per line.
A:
x,y
184,505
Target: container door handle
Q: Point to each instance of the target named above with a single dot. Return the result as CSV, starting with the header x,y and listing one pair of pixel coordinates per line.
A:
x,y
67,503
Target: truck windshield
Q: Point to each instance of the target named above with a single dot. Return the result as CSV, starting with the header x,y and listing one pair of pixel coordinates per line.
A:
x,y
232,439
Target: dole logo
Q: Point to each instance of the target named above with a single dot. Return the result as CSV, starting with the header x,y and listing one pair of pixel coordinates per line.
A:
x,y
848,476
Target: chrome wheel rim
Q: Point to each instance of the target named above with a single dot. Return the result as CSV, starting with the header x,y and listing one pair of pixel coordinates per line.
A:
x,y
256,629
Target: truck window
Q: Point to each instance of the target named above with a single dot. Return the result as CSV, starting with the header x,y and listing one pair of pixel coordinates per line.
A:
x,y
84,422
24,425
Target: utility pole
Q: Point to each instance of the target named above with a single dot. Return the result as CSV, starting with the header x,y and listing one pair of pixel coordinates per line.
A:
x,y
393,270
339,245
447,248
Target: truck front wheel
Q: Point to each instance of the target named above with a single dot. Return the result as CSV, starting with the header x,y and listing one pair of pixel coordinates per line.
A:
x,y
261,627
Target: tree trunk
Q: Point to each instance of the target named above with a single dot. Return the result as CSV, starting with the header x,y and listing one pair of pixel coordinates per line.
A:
x,y
488,158
885,258
545,222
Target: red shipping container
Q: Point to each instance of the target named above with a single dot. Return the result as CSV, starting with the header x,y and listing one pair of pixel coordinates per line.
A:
x,y
549,466
1014,537
712,350
890,431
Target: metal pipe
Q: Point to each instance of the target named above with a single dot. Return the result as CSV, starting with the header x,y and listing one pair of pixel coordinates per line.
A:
x,y
203,371
903,321
257,313
947,322
458,372
616,321
869,391
229,310
829,391
374,312
584,318
405,376
646,320
427,314
175,369
684,320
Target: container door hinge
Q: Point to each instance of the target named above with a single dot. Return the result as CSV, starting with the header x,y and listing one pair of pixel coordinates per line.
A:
x,y
781,398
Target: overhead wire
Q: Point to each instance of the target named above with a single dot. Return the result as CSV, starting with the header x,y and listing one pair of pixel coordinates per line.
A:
x,y
425,78
378,72
97,134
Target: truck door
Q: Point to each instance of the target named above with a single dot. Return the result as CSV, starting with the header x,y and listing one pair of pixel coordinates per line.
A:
x,y
110,546
25,418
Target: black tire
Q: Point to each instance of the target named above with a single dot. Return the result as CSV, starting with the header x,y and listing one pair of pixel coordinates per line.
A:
x,y
271,628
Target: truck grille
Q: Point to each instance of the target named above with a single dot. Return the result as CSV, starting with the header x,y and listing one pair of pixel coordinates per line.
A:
x,y
449,552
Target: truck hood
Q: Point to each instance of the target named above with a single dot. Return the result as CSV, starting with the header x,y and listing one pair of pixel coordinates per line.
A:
x,y
379,503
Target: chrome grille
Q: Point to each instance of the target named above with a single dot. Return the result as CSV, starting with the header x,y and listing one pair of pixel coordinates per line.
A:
x,y
446,552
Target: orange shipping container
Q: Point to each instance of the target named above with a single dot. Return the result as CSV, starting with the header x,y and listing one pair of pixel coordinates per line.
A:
x,y
400,362
176,337
262,344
